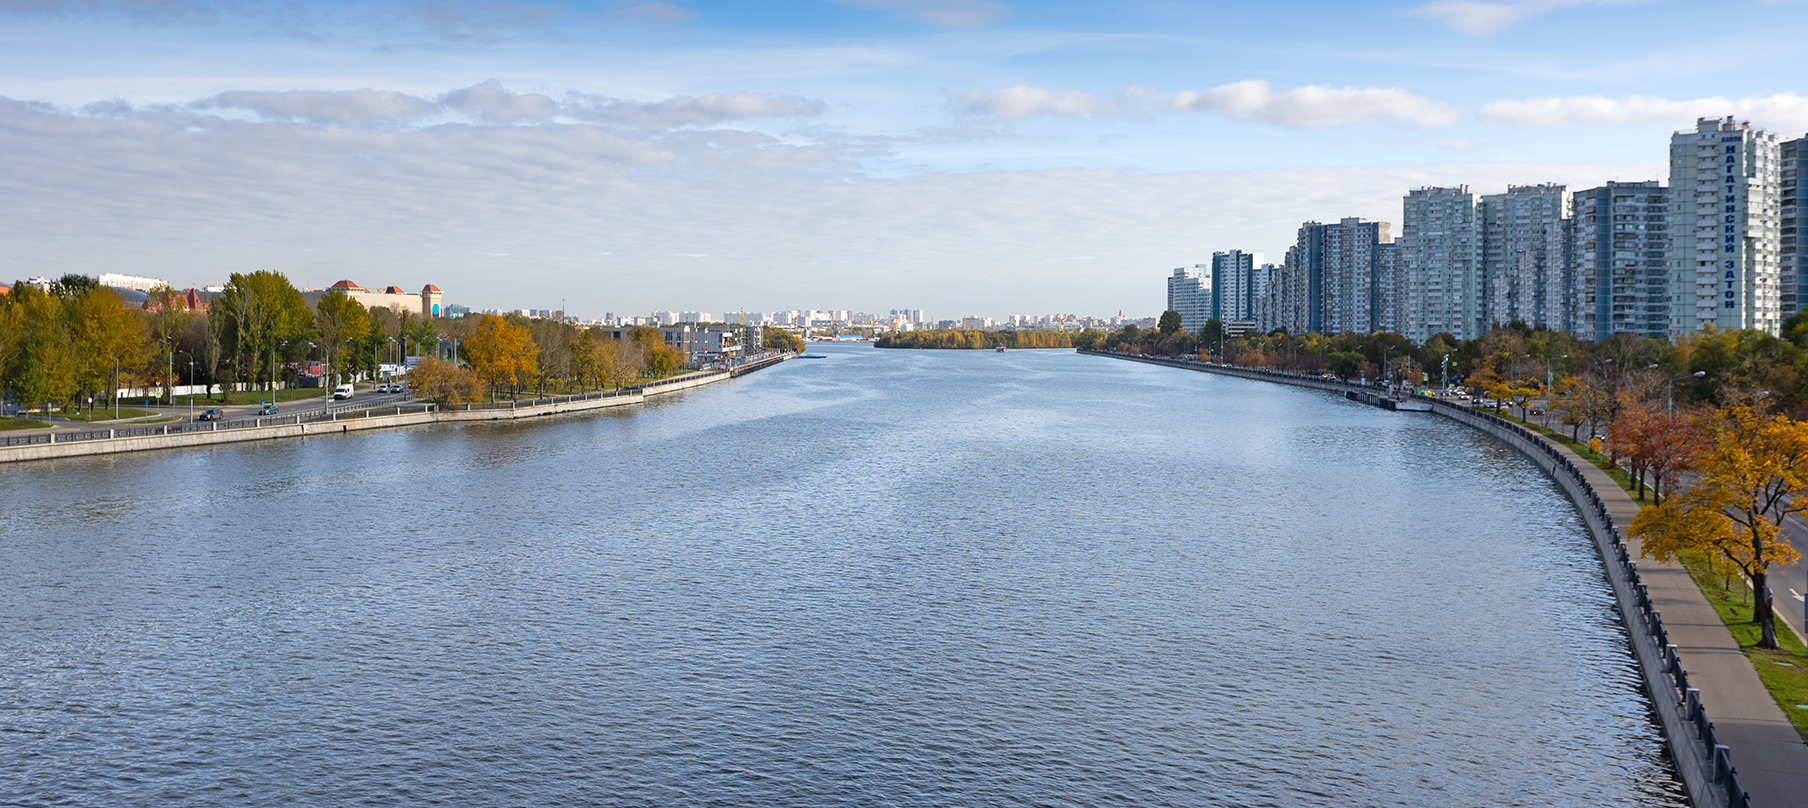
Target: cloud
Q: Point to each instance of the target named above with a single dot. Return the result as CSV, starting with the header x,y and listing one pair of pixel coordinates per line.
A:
x,y
344,107
1315,106
191,198
155,12
1481,18
1784,111
653,12
939,13
489,101
1017,103
686,110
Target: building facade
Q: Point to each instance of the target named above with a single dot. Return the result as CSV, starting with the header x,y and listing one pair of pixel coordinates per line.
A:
x,y
1793,226
1725,239
1525,256
1236,283
1441,264
1620,258
1359,273
1190,293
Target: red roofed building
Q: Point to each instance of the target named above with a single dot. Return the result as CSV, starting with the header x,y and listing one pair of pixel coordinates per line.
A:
x,y
425,304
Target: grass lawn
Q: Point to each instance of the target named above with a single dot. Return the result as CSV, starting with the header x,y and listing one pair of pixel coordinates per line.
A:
x,y
1784,670
20,423
91,416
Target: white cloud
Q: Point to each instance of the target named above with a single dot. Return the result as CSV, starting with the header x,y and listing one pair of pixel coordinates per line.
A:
x,y
1482,18
346,107
1317,105
1786,112
1017,103
686,110
939,13
491,102
192,198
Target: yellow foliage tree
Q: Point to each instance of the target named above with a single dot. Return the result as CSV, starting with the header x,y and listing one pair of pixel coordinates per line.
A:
x,y
1750,477
502,353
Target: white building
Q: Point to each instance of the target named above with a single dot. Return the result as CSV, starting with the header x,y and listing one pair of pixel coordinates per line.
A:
x,y
1725,239
1236,284
1190,294
1441,264
137,282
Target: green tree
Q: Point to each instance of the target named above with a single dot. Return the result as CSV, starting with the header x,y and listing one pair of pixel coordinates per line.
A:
x,y
255,315
342,323
1169,322
110,341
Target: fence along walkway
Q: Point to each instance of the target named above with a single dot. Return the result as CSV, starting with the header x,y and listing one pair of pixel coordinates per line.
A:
x,y
1692,666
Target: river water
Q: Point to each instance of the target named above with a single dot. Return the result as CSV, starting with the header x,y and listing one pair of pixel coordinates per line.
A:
x,y
903,578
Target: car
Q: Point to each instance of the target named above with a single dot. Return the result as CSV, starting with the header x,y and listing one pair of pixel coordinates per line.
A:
x,y
343,391
267,409
211,414
382,388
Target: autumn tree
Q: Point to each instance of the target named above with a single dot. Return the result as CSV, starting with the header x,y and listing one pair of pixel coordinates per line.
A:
x,y
108,339
442,382
1749,478
502,353
257,315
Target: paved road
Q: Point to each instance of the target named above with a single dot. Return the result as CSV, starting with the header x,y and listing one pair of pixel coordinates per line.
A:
x,y
182,409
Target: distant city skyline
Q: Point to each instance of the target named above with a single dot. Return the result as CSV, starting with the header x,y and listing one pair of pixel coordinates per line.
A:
x,y
966,156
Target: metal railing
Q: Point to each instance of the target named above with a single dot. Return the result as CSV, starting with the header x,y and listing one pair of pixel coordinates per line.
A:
x,y
329,414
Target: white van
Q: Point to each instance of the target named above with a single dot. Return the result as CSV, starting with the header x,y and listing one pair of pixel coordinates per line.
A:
x,y
343,391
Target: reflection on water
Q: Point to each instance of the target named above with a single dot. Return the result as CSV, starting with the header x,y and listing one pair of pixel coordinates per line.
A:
x,y
881,578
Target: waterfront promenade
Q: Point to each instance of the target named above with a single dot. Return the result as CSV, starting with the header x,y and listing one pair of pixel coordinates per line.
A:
x,y
346,418
1723,726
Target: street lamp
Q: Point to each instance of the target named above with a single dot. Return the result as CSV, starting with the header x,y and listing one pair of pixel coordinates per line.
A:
x,y
191,380
1670,389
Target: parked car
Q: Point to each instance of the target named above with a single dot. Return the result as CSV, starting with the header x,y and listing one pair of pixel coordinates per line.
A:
x,y
267,409
211,414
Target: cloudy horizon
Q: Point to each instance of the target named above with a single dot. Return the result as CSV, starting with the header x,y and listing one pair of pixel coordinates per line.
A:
x,y
959,156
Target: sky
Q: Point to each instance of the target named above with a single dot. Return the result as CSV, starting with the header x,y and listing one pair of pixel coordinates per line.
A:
x,y
966,157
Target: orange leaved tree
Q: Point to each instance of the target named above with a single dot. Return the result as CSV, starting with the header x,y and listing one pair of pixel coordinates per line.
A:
x,y
1750,477
502,353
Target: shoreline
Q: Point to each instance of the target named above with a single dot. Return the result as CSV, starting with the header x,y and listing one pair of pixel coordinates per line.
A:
x,y
345,420
1684,668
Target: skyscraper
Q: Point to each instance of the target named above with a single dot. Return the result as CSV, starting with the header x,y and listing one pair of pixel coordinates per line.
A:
x,y
1724,236
1190,294
1440,264
1619,254
1356,273
1236,282
1793,255
1525,256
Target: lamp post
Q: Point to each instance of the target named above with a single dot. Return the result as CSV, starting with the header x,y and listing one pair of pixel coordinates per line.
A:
x,y
1670,389
1444,372
191,380
115,388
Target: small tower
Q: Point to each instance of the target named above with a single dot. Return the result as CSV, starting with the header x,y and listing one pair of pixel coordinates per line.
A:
x,y
430,301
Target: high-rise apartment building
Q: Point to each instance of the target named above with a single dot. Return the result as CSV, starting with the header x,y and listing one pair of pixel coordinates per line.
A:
x,y
1792,253
1619,255
1358,275
1525,256
1190,294
1725,239
1237,284
1441,264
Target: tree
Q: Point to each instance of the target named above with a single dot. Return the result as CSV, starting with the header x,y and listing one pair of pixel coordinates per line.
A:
x,y
109,339
502,353
1750,477
339,319
1211,335
1169,323
443,382
256,314
781,339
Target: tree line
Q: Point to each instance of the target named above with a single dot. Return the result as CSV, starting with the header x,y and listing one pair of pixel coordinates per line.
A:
x,y
956,338
77,342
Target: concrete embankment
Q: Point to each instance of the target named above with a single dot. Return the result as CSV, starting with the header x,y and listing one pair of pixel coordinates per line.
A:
x,y
1731,743
343,419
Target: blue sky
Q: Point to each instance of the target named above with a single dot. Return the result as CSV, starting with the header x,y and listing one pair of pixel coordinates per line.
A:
x,y
961,156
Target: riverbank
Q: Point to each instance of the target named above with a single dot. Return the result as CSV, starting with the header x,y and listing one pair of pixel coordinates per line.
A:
x,y
1727,735
342,419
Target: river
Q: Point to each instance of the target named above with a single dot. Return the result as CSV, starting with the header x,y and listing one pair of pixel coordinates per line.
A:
x,y
878,578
